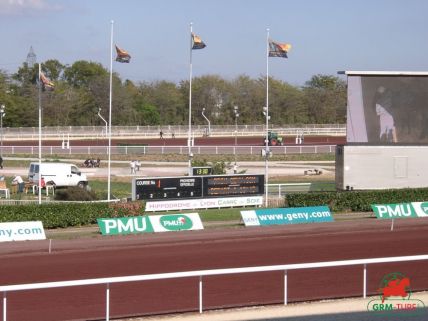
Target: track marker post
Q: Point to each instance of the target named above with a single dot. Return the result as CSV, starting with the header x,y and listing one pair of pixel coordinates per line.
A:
x,y
200,294
107,301
285,287
4,305
365,282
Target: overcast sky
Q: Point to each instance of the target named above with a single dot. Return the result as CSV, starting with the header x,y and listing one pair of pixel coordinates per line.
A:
x,y
326,35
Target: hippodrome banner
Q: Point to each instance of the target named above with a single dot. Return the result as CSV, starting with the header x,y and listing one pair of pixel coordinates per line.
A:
x,y
292,215
401,210
149,224
190,204
22,231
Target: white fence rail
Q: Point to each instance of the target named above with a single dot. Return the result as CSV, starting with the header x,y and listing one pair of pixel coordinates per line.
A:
x,y
162,276
183,150
96,132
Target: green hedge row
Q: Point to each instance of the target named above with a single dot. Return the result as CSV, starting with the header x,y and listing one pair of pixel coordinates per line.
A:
x,y
57,215
356,201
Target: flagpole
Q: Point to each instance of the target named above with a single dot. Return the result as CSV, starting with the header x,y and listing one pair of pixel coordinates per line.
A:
x,y
109,113
189,135
267,121
40,134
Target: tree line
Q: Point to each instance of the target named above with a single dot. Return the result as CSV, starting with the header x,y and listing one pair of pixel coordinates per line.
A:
x,y
83,87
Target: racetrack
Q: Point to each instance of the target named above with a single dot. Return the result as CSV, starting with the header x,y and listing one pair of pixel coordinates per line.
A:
x,y
198,141
28,262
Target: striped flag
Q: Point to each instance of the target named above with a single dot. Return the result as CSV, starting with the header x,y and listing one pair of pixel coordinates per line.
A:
x,y
46,83
277,49
122,55
197,43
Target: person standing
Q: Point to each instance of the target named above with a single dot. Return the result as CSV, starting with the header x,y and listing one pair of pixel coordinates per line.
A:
x,y
17,180
383,108
132,164
1,162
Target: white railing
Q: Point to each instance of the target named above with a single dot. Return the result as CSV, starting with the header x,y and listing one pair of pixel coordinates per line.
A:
x,y
174,275
94,132
183,150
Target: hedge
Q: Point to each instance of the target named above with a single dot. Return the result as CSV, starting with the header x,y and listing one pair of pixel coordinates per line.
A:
x,y
55,215
356,201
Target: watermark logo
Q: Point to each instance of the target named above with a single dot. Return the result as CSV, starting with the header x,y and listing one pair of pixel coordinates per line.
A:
x,y
424,207
176,223
395,296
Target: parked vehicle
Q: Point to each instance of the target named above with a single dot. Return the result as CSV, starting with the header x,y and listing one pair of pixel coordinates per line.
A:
x,y
58,174
274,139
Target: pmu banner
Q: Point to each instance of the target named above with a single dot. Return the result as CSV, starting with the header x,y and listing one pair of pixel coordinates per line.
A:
x,y
149,224
292,215
400,210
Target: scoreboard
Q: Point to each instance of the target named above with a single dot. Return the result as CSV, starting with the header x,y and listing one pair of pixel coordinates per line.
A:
x,y
168,188
161,188
233,185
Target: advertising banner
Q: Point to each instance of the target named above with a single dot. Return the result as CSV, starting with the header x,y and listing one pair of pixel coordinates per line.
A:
x,y
401,210
22,231
190,204
149,224
292,215
176,222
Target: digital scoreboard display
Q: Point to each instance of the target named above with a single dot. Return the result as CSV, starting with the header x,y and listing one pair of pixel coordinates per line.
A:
x,y
233,185
200,171
168,188
162,188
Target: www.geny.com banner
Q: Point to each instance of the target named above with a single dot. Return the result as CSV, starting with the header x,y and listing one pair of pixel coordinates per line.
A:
x,y
292,215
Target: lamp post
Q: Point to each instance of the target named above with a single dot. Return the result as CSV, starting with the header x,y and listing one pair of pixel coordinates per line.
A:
x,y
2,113
209,123
267,154
105,121
235,109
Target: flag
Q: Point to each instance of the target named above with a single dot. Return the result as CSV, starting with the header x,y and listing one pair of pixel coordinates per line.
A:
x,y
122,55
277,49
46,83
197,43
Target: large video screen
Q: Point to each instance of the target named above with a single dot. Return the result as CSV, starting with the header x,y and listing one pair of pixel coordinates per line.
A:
x,y
387,109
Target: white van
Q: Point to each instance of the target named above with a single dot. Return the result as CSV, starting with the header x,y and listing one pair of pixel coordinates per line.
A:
x,y
61,174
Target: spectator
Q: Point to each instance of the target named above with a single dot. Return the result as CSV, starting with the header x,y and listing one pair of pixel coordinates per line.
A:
x,y
1,162
20,182
137,165
161,134
132,164
42,183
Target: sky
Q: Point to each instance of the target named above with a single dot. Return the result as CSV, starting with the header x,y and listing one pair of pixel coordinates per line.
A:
x,y
327,36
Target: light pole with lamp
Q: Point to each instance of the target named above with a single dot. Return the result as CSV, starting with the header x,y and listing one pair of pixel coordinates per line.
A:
x,y
2,113
105,121
108,134
209,123
267,154
235,110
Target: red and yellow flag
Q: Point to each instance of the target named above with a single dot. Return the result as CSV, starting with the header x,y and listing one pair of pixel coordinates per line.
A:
x,y
122,55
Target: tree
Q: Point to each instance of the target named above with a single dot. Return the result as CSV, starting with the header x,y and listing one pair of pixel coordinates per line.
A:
x,y
167,98
325,97
82,72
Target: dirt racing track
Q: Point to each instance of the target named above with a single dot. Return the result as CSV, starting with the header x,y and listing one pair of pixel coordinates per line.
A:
x,y
30,262
198,141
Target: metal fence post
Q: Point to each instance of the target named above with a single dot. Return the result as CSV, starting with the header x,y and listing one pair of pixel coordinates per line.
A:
x,y
200,294
285,287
